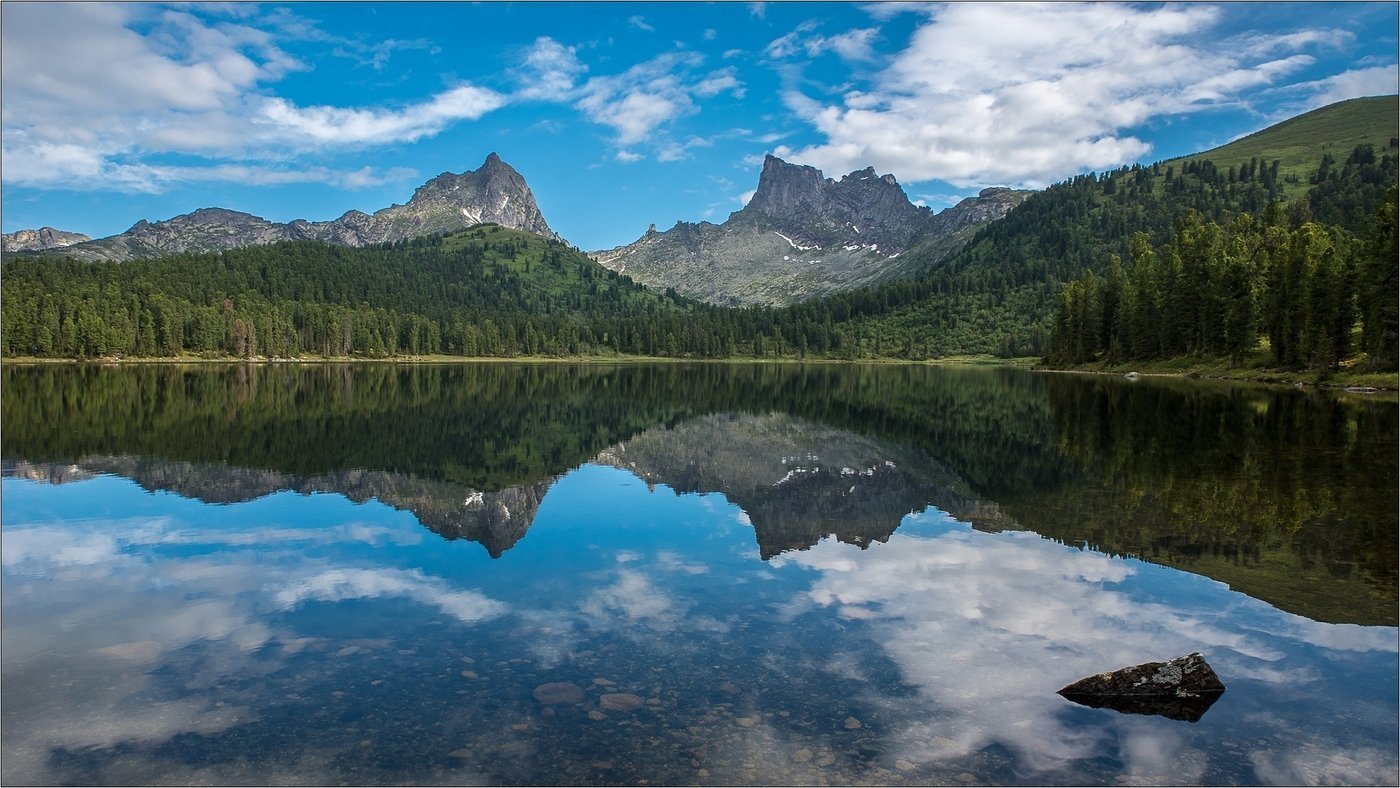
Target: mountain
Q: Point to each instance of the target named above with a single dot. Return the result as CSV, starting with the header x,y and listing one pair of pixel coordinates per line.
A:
x,y
803,235
41,240
495,193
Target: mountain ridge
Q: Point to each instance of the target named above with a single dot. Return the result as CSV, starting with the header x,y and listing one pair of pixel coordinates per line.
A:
x,y
494,193
41,240
803,235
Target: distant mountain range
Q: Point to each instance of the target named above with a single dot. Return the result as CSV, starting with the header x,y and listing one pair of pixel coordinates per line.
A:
x,y
494,193
800,236
959,281
803,235
43,239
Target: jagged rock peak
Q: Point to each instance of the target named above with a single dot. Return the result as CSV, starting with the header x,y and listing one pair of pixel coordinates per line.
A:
x,y
40,240
788,190
783,188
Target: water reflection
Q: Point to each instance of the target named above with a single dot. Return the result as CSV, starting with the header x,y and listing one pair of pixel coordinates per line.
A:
x,y
197,643
794,576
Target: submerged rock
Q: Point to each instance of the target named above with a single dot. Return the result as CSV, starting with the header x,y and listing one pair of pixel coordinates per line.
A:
x,y
560,693
620,701
1179,689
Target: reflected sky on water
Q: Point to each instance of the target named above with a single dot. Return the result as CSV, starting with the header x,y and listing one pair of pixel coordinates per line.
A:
x,y
153,638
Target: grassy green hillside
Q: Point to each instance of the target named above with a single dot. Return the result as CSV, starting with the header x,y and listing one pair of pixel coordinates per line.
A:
x,y
1299,143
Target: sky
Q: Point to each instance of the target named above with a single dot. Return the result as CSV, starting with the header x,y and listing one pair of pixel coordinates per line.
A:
x,y
621,115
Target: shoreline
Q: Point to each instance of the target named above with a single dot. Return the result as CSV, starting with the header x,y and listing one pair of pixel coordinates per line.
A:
x,y
989,361
1338,380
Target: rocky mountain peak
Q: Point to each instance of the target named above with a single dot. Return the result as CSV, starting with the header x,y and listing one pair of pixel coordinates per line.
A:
x,y
863,208
495,192
40,240
788,189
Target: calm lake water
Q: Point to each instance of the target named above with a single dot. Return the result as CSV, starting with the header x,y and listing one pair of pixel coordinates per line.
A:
x,y
709,574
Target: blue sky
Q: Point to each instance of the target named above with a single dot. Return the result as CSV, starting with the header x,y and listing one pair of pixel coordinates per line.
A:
x,y
625,114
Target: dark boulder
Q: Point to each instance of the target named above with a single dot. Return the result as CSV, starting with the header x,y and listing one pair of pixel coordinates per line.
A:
x,y
1180,689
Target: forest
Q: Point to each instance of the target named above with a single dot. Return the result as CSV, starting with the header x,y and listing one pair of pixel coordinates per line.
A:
x,y
1303,285
1140,262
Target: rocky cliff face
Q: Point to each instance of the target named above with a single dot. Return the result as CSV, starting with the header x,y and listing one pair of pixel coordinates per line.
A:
x,y
803,235
493,193
862,208
40,240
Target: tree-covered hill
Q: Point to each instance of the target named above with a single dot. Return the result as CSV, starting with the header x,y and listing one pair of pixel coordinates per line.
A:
x,y
485,291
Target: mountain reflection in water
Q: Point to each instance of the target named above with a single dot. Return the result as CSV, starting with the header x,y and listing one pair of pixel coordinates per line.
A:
x,y
1285,495
748,574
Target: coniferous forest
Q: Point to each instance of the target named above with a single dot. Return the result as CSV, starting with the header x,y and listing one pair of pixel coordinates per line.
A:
x,y
1162,261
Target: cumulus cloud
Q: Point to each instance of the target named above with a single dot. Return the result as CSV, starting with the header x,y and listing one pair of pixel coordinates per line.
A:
x,y
549,70
1374,81
1028,94
647,97
95,107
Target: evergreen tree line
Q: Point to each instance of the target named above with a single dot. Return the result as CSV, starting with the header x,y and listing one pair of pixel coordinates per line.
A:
x,y
1314,294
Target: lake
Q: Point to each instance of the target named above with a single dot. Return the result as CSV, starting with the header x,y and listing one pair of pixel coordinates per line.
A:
x,y
687,574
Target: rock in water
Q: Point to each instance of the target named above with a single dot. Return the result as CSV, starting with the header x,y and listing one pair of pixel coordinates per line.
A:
x,y
619,701
559,693
1180,689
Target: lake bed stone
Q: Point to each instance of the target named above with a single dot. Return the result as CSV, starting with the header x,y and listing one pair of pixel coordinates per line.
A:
x,y
619,701
559,693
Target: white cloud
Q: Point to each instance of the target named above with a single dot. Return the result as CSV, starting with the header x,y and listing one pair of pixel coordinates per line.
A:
x,y
717,82
628,157
638,600
987,627
885,11
549,71
851,45
91,108
343,125
990,93
336,585
638,21
639,102
675,151
1374,81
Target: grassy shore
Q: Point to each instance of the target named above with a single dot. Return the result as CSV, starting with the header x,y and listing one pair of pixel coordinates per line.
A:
x,y
1351,374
